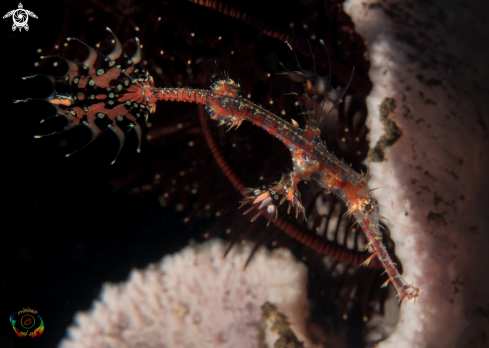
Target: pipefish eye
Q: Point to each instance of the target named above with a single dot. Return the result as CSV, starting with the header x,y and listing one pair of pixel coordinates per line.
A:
x,y
369,205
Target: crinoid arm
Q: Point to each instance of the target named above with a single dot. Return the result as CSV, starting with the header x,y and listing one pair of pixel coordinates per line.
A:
x,y
103,93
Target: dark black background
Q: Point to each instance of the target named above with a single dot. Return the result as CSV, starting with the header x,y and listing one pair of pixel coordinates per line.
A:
x,y
65,229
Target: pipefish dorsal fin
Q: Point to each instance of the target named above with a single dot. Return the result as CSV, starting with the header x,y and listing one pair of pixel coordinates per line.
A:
x,y
316,96
223,79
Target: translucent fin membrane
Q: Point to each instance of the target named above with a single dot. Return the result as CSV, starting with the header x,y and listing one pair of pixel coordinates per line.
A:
x,y
318,98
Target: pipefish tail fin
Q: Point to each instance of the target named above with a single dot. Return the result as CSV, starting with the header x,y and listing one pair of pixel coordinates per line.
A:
x,y
103,93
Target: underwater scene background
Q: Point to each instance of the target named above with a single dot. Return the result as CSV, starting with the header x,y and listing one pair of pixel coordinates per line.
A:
x,y
73,224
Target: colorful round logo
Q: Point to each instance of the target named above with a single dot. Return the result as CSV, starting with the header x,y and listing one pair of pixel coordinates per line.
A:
x,y
27,322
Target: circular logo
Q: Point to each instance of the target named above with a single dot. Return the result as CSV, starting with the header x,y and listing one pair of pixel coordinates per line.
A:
x,y
27,323
20,17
